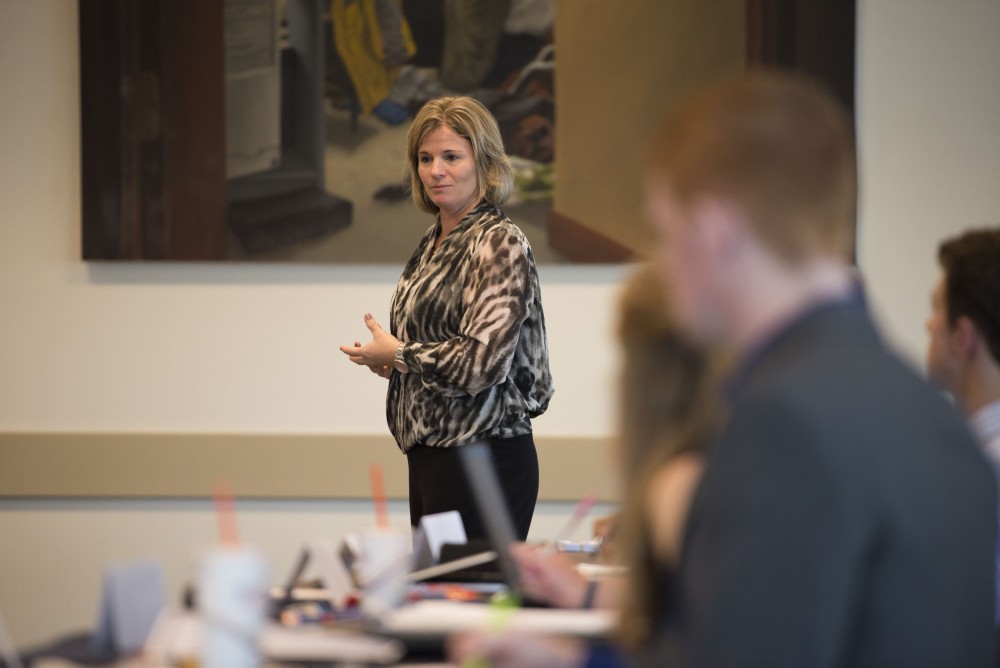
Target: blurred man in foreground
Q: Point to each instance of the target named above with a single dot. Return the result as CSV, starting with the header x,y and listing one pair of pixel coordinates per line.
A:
x,y
845,516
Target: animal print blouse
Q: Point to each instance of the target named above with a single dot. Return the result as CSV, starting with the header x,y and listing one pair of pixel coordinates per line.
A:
x,y
470,316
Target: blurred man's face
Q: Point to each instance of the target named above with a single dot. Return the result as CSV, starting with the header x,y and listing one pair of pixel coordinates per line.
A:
x,y
686,262
942,360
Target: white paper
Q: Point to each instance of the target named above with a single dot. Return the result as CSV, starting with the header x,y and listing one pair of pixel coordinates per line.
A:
x,y
177,637
440,528
598,571
447,617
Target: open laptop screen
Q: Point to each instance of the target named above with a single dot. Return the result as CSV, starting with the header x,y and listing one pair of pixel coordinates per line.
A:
x,y
477,460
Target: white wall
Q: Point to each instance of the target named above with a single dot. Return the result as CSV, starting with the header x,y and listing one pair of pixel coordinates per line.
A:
x,y
252,348
928,95
189,348
199,347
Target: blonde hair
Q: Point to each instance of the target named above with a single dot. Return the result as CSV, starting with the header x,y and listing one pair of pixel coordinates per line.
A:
x,y
778,145
667,407
467,118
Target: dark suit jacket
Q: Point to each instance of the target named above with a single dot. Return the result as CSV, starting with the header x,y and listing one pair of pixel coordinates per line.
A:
x,y
845,518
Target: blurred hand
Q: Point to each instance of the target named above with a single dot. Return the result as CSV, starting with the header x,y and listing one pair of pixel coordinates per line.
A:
x,y
378,352
606,528
668,497
516,649
549,576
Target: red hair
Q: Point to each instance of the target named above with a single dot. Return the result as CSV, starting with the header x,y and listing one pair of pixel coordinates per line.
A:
x,y
777,145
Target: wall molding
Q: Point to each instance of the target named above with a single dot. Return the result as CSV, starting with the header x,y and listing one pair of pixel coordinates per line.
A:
x,y
296,466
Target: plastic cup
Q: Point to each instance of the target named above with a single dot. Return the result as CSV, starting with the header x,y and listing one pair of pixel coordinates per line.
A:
x,y
384,565
232,589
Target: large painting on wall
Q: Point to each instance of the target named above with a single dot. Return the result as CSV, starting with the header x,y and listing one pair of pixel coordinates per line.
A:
x,y
273,130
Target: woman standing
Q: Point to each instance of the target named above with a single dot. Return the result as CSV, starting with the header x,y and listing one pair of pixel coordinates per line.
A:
x,y
467,358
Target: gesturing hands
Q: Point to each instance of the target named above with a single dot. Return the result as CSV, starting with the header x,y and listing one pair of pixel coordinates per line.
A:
x,y
377,354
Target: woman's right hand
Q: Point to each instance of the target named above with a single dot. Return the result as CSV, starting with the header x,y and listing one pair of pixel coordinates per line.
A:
x,y
383,370
375,354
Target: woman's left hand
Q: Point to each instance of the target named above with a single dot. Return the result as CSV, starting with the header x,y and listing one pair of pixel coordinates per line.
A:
x,y
377,353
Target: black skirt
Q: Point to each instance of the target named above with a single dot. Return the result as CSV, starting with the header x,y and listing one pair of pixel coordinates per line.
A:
x,y
438,483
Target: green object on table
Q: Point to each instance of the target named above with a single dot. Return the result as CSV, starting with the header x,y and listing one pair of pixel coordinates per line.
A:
x,y
502,606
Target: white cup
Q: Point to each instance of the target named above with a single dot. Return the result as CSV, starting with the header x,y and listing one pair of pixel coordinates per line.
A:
x,y
232,588
385,562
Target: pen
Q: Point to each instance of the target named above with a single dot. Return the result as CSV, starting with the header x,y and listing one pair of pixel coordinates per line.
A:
x,y
225,510
378,495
